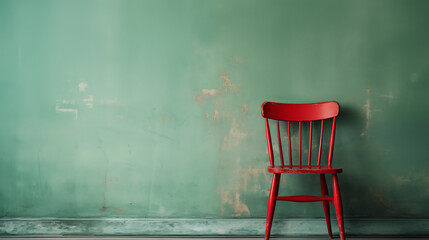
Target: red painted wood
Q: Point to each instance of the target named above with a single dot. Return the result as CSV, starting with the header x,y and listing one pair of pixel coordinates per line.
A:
x,y
270,148
324,191
290,146
304,198
303,113
300,144
309,144
280,144
320,143
338,206
313,169
271,204
300,112
331,144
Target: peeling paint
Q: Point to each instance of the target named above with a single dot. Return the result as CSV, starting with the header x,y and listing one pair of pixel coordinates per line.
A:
x,y
244,108
227,85
239,207
216,115
388,95
67,102
402,179
234,203
111,101
205,94
249,174
218,96
161,210
234,137
72,110
82,86
89,101
209,92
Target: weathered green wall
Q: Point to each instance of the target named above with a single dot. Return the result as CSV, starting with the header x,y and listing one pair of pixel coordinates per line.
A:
x,y
151,109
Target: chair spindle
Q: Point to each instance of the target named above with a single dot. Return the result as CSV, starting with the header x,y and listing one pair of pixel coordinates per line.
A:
x,y
299,144
270,148
331,144
290,148
280,144
320,143
309,145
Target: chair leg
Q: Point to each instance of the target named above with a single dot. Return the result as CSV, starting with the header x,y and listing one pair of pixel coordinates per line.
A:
x,y
338,206
324,190
272,204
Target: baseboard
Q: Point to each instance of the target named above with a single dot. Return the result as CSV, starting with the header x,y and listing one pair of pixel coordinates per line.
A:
x,y
207,227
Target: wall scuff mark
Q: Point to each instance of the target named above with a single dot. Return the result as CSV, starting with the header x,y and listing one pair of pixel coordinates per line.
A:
x,y
367,107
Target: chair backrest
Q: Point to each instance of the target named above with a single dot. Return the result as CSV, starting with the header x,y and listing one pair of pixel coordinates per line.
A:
x,y
309,112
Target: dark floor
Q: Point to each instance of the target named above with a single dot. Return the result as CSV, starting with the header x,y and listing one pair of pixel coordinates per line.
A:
x,y
196,238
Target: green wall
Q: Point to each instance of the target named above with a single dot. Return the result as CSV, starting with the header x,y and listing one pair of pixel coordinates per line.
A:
x,y
151,109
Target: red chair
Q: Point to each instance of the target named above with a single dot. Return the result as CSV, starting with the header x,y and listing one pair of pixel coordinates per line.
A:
x,y
312,113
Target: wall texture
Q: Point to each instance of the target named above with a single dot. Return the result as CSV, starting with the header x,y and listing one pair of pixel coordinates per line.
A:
x,y
151,109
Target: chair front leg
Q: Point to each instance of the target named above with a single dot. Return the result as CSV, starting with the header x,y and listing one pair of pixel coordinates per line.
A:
x,y
272,204
338,206
324,190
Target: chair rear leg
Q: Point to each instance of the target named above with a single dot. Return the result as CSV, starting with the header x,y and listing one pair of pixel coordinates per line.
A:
x,y
324,190
338,206
272,204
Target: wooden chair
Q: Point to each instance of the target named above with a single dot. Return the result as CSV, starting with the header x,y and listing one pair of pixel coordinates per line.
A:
x,y
311,113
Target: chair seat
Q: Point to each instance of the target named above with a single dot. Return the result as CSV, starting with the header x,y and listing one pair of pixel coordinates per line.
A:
x,y
313,169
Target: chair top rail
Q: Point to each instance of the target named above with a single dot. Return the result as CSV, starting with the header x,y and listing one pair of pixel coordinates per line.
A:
x,y
300,111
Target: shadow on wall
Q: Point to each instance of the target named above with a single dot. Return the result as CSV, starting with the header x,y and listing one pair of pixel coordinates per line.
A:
x,y
360,159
